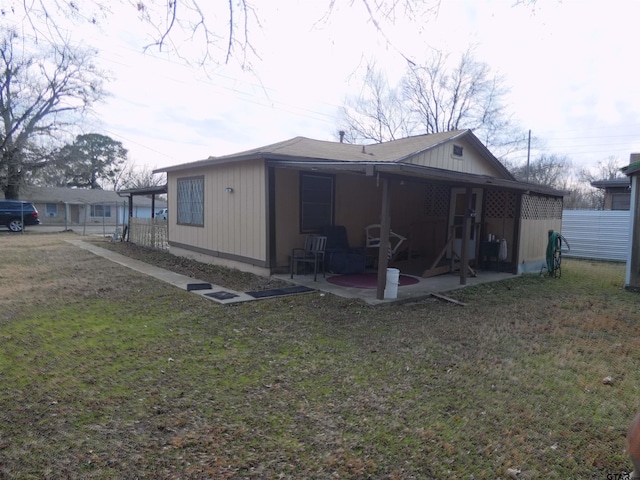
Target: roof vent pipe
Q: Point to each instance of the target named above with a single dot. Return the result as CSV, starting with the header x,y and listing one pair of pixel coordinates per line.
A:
x,y
341,133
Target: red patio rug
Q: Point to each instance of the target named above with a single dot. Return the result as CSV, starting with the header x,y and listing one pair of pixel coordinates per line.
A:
x,y
366,280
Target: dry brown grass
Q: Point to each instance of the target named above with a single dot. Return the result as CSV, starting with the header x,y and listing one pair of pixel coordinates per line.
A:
x,y
109,374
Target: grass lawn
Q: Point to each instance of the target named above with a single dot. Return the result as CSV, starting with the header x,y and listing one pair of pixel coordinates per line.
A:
x,y
106,373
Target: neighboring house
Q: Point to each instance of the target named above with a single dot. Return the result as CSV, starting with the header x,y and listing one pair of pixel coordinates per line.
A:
x,y
632,277
80,206
617,193
145,200
249,209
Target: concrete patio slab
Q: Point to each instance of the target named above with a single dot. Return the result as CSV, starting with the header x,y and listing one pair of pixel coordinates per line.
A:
x,y
407,293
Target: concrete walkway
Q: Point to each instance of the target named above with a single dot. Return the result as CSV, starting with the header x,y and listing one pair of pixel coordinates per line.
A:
x,y
177,280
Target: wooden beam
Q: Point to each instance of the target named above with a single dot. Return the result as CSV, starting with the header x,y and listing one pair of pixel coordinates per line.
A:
x,y
448,299
466,233
385,226
434,271
434,266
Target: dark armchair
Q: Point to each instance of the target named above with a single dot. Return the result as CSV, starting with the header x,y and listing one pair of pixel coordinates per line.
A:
x,y
340,258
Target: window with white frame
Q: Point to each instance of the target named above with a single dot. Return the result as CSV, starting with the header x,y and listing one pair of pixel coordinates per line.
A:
x,y
51,210
102,211
190,199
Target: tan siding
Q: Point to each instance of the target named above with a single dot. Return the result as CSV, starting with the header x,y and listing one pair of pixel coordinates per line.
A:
x,y
287,213
442,157
539,214
407,206
234,223
357,204
534,235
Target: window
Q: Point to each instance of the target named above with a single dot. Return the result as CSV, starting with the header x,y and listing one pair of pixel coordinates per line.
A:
x,y
316,201
101,211
51,209
457,151
191,201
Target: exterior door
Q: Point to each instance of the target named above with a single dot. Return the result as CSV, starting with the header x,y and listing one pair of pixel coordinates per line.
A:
x,y
456,218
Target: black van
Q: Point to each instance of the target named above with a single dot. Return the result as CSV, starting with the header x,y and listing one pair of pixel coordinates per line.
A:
x,y
13,213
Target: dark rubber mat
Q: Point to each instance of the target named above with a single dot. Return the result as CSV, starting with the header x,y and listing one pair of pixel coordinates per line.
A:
x,y
221,295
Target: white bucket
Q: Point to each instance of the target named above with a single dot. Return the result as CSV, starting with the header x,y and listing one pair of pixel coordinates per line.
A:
x,y
393,278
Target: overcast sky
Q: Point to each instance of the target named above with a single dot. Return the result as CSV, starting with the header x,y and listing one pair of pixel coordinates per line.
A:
x,y
570,65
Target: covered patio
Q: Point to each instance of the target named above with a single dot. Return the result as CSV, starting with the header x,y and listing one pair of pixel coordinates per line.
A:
x,y
452,202
424,287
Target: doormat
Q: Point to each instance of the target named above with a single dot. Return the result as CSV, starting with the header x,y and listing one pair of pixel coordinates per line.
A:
x,y
278,292
367,280
221,295
198,286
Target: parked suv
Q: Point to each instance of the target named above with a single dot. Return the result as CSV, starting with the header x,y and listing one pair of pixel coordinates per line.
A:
x,y
14,212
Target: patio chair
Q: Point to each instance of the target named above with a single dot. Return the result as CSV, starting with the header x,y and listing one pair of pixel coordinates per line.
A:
x,y
372,233
312,253
341,258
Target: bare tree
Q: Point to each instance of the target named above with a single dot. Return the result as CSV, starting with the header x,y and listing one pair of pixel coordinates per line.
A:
x,y
378,113
218,30
434,97
41,93
550,170
584,197
606,169
447,96
140,177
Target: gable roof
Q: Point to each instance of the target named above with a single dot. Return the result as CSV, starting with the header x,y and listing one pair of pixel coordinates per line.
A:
x,y
302,149
390,157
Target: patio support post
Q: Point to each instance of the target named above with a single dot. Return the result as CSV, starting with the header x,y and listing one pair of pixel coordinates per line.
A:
x,y
466,233
385,226
131,205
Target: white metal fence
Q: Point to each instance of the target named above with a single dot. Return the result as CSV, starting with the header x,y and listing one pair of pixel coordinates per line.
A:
x,y
597,234
149,232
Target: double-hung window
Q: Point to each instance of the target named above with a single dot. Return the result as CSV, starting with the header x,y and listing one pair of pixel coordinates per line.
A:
x,y
191,201
52,209
316,201
101,211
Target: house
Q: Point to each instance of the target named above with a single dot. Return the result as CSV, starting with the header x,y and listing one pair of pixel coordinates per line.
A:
x,y
81,206
444,192
617,193
632,276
